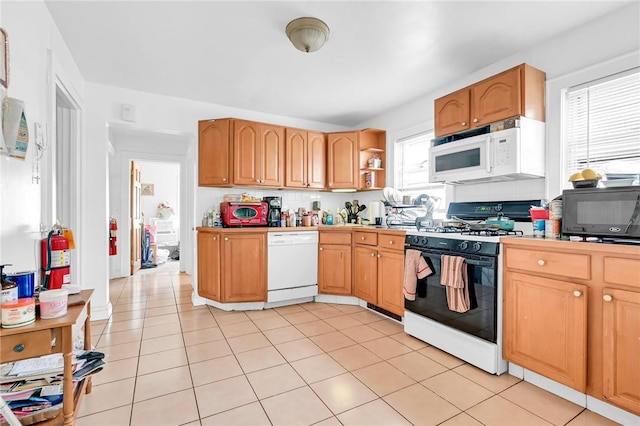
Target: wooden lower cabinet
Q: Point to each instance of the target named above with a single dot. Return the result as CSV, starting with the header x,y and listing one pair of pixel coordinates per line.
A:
x,y
334,269
621,348
209,265
545,327
572,314
232,266
390,280
365,273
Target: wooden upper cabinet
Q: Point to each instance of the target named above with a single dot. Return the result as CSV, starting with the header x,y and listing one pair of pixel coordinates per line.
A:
x,y
305,159
316,159
214,165
452,112
518,91
271,155
342,160
258,153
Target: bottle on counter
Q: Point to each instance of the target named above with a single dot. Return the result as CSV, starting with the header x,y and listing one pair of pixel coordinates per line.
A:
x,y
210,218
9,288
329,217
205,220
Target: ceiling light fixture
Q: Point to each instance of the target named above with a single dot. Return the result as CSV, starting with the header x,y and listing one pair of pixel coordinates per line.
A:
x,y
307,34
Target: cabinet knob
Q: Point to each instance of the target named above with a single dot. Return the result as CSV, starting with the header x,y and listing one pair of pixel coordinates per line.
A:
x,y
362,238
19,347
464,123
321,249
226,238
215,238
373,254
475,120
577,293
390,241
607,298
224,179
541,262
378,255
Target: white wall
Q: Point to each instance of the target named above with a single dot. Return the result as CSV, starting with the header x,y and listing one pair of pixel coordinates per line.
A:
x,y
611,36
38,55
166,180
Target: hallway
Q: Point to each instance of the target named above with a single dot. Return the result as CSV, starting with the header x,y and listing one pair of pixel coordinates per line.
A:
x,y
170,363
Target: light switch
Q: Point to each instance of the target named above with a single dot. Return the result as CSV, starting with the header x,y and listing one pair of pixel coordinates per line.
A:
x,y
128,112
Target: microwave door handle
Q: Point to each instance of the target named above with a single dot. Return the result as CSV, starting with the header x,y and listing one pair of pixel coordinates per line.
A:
x,y
634,215
488,158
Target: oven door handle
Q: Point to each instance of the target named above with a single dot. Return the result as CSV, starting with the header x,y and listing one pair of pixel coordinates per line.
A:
x,y
478,263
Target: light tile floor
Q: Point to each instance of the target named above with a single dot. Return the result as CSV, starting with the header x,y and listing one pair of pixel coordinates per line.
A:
x,y
171,363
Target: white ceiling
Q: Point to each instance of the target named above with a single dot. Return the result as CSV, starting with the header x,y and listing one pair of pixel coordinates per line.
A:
x,y
380,54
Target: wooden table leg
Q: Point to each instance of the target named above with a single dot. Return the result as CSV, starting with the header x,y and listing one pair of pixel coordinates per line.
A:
x,y
67,397
87,340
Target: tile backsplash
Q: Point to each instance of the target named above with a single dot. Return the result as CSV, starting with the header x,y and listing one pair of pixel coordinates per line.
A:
x,y
530,189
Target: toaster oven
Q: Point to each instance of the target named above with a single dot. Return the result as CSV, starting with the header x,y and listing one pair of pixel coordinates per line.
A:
x,y
238,214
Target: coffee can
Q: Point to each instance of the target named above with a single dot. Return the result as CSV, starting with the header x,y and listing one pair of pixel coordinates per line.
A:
x,y
555,209
552,228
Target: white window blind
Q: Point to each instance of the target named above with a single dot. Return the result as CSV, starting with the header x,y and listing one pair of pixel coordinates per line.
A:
x,y
603,124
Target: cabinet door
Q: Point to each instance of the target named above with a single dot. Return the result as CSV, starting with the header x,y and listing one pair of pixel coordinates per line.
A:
x,y
342,162
296,155
213,153
390,280
365,275
496,98
316,159
452,113
621,348
334,269
246,152
244,267
209,265
545,327
271,155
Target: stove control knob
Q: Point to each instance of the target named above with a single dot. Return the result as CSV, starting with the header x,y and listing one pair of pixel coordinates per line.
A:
x,y
463,245
477,246
423,241
412,239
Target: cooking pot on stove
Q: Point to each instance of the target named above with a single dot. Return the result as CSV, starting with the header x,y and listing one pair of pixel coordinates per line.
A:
x,y
504,223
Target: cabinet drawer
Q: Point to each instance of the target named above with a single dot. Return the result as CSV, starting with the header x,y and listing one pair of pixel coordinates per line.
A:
x,y
335,237
618,270
26,345
549,262
391,241
369,238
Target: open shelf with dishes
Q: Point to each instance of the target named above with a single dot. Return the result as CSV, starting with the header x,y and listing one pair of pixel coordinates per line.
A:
x,y
372,158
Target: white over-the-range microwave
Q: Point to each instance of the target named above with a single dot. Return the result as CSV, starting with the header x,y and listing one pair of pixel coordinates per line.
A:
x,y
503,155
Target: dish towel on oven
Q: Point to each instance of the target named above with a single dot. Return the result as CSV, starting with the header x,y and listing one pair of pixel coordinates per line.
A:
x,y
454,277
414,267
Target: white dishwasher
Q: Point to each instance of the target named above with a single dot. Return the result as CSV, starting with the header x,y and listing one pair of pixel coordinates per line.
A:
x,y
292,265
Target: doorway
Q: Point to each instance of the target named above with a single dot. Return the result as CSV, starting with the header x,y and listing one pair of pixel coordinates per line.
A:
x,y
153,147
160,212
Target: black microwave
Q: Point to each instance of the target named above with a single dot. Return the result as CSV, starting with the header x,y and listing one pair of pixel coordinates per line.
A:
x,y
602,212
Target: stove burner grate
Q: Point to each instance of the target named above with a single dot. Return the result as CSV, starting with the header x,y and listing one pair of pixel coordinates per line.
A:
x,y
490,232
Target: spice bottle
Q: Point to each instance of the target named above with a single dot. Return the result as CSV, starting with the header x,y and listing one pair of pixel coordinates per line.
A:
x,y
9,288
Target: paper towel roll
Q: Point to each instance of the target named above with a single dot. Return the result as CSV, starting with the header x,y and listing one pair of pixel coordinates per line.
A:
x,y
376,209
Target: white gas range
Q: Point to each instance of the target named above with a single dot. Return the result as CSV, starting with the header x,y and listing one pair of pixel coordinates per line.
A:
x,y
475,335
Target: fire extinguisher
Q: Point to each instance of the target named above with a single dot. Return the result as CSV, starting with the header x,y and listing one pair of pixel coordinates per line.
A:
x,y
56,269
113,240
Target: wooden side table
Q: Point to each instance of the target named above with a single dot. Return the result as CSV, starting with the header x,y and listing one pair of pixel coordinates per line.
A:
x,y
49,336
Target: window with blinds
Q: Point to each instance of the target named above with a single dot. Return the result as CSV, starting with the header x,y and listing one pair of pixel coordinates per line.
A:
x,y
602,124
412,168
